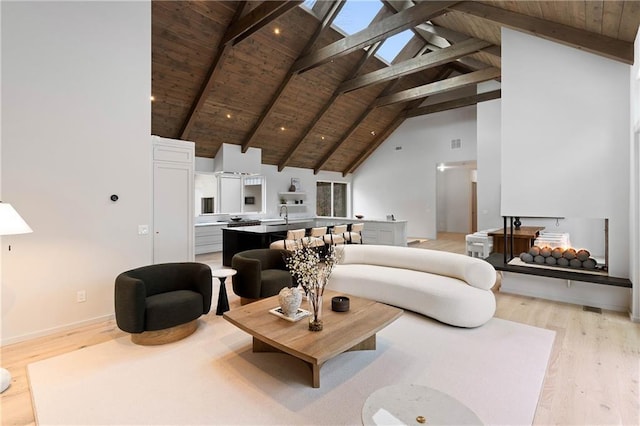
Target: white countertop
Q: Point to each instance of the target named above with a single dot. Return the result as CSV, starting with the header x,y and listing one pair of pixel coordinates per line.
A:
x,y
333,220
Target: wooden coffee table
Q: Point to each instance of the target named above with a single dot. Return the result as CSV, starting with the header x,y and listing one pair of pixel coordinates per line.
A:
x,y
343,331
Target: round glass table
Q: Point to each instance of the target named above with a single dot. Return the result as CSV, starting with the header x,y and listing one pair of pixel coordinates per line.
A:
x,y
414,405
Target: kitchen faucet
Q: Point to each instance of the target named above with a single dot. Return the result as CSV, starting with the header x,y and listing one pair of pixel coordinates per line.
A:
x,y
286,214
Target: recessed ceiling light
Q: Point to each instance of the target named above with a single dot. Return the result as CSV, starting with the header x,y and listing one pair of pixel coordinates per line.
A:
x,y
276,31
153,98
228,115
282,128
373,132
322,137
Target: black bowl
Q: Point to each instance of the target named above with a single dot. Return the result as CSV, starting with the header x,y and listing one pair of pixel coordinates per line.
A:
x,y
236,219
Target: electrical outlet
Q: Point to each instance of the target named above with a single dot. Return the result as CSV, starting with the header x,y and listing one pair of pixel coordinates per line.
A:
x,y
81,296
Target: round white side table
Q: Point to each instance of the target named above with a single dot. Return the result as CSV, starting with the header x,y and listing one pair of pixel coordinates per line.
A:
x,y
415,405
223,300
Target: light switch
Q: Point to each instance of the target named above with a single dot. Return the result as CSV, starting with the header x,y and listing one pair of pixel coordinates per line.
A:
x,y
143,229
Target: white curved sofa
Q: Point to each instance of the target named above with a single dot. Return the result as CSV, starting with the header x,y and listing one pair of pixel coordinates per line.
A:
x,y
451,288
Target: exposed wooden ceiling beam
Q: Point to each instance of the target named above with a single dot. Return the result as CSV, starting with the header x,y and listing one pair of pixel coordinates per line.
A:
x,y
389,88
330,15
207,84
370,52
580,39
414,65
257,18
438,36
395,24
453,104
397,121
336,94
440,86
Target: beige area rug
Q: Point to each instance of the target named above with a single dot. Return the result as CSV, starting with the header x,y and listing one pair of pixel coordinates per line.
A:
x,y
213,377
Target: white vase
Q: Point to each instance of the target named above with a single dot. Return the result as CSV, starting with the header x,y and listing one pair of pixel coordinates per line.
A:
x,y
290,300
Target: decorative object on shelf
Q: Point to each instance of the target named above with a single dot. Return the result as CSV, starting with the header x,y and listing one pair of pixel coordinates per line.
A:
x,y
290,299
517,223
295,185
359,216
236,219
340,304
312,271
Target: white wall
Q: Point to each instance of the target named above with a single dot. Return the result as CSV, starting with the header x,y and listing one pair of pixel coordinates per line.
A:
x,y
489,125
565,142
403,181
76,128
634,213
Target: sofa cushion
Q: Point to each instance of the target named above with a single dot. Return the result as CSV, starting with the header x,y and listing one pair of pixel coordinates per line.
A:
x,y
173,308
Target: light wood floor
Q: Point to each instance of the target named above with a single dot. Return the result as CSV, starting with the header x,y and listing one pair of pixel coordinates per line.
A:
x,y
592,377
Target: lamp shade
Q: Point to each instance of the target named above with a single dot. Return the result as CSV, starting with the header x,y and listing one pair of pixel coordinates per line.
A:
x,y
10,221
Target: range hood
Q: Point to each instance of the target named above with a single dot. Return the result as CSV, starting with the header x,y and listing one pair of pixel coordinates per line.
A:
x,y
231,159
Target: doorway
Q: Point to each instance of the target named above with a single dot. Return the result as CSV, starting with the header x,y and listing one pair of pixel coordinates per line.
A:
x,y
456,197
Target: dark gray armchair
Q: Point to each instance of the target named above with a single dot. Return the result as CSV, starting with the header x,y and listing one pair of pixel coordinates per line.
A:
x,y
261,273
161,303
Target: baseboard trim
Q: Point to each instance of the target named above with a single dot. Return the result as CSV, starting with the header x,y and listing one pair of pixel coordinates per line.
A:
x,y
54,330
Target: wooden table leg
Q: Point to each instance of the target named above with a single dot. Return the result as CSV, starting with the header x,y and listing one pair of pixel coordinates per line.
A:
x,y
315,375
367,344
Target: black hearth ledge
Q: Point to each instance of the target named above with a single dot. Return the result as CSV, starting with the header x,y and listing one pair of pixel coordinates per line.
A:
x,y
497,261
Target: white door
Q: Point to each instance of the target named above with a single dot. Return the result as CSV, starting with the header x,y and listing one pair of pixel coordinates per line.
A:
x,y
172,208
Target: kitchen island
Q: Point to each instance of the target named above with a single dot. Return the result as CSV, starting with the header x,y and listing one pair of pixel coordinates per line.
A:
x,y
240,238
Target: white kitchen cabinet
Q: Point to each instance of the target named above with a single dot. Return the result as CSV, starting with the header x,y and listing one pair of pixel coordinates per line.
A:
x,y
238,193
208,238
229,193
173,200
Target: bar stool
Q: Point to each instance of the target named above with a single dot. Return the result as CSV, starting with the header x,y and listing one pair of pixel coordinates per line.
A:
x,y
293,241
336,236
355,235
314,239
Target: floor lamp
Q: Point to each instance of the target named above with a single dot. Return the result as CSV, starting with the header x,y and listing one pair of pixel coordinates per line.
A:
x,y
10,224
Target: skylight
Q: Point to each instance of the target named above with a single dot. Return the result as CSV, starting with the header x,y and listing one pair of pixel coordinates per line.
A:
x,y
393,45
309,4
356,15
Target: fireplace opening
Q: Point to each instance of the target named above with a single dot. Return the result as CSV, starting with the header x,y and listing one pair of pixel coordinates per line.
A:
x,y
589,234
576,244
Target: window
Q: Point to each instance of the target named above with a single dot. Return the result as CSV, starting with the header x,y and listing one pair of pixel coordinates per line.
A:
x,y
331,199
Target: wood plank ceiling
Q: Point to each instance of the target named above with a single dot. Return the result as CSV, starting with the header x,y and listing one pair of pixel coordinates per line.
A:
x,y
279,77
